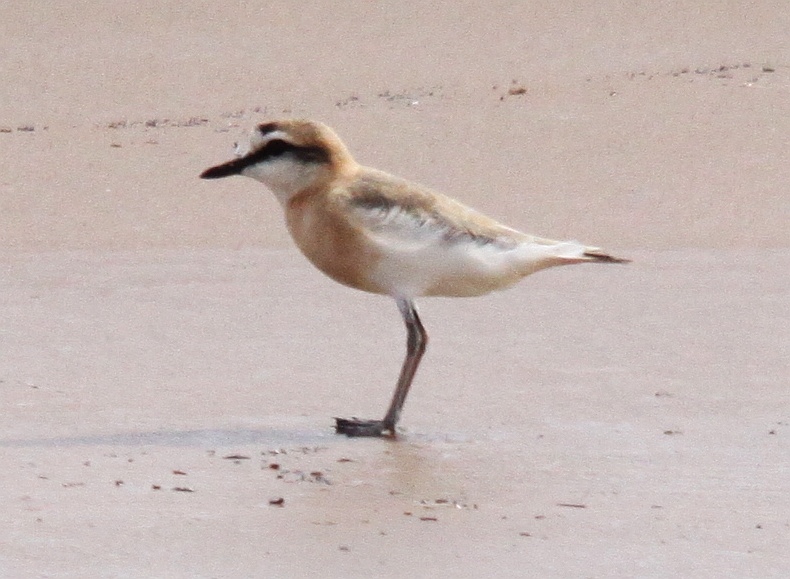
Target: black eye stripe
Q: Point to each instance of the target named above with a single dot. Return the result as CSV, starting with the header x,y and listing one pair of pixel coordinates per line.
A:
x,y
277,147
313,155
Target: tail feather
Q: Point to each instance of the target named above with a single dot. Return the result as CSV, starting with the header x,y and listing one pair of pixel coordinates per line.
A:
x,y
600,256
575,252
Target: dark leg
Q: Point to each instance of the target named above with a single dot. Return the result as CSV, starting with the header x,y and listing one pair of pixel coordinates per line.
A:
x,y
417,340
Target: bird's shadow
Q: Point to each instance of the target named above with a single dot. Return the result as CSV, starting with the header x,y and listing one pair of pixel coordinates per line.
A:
x,y
199,438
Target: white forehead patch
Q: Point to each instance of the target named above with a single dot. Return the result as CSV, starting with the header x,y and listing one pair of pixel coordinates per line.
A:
x,y
240,150
257,141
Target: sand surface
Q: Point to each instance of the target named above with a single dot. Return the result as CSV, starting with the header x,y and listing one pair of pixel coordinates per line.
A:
x,y
170,364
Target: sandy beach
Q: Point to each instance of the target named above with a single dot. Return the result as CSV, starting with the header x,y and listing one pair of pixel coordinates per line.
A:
x,y
170,365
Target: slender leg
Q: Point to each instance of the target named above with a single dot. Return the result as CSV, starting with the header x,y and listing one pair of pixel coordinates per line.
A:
x,y
416,342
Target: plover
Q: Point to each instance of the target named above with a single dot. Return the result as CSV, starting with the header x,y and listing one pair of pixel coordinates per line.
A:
x,y
376,232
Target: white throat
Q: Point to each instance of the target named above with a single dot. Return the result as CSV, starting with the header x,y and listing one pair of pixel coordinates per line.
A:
x,y
285,176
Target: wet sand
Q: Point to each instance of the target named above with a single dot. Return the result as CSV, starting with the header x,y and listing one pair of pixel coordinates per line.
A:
x,y
171,365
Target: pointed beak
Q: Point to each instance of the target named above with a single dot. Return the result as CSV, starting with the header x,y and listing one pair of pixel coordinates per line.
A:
x,y
234,167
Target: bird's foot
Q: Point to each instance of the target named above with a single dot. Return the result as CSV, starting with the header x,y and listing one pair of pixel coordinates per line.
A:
x,y
356,427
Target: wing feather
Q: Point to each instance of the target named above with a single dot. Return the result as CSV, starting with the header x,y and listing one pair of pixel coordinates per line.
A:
x,y
398,210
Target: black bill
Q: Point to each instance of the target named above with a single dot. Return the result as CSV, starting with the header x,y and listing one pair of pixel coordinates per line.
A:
x,y
233,167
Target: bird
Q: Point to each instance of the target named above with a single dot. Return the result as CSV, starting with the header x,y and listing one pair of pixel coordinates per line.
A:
x,y
379,233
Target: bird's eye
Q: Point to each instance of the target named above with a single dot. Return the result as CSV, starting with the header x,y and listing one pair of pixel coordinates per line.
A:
x,y
277,147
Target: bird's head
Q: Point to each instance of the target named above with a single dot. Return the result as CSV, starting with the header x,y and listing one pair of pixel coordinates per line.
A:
x,y
289,156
